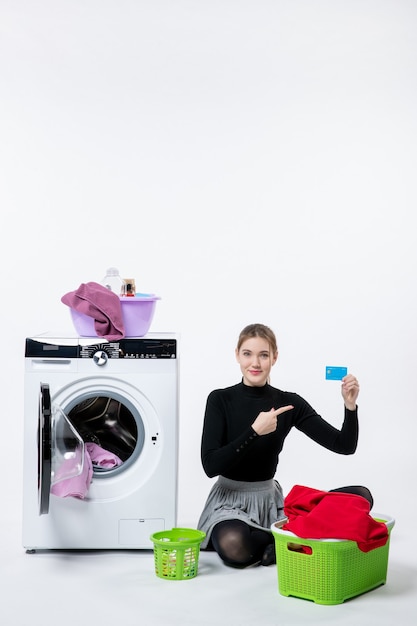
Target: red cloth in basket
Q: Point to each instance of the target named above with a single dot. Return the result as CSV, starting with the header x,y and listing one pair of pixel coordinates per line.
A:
x,y
315,514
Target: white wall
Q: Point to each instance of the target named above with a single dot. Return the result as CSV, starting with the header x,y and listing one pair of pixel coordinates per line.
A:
x,y
247,161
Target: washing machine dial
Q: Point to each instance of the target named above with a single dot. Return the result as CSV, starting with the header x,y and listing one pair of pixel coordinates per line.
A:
x,y
100,357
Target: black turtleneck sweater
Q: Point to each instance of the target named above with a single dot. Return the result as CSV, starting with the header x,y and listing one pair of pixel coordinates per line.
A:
x,y
231,448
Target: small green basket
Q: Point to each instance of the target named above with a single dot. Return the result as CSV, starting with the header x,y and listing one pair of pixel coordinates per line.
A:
x,y
328,571
176,553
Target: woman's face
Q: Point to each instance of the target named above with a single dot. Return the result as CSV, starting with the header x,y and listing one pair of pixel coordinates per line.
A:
x,y
256,360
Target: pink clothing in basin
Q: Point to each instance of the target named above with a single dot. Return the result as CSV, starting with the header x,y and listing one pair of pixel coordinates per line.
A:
x,y
98,302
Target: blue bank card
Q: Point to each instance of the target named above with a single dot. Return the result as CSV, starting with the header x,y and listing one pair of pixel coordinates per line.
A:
x,y
335,373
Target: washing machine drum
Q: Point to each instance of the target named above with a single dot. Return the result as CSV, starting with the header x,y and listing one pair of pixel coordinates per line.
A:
x,y
62,436
106,422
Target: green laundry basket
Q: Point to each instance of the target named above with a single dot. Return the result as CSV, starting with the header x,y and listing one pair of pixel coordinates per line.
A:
x,y
328,571
176,553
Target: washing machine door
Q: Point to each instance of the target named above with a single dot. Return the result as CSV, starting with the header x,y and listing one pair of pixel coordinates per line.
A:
x,y
61,450
44,448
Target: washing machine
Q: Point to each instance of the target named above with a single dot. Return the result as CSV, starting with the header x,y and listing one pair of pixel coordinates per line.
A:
x,y
121,396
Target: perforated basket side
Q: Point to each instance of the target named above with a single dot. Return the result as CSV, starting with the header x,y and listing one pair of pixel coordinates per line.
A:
x,y
176,563
176,553
327,572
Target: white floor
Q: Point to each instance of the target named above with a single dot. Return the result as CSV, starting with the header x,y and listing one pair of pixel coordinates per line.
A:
x,y
79,588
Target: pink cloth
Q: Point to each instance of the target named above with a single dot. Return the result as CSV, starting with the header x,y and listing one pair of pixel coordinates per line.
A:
x,y
102,458
100,303
77,486
315,514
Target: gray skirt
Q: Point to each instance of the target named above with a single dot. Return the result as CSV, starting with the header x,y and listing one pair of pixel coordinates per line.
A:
x,y
259,504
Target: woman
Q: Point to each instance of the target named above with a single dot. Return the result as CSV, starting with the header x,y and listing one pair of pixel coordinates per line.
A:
x,y
244,430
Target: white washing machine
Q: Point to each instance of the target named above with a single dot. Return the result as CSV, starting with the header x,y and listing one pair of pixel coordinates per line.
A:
x,y
122,396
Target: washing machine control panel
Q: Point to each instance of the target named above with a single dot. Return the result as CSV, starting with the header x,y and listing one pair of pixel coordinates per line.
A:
x,y
100,357
101,352
130,349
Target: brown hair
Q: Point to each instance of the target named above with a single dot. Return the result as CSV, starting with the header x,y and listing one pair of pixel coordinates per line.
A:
x,y
258,330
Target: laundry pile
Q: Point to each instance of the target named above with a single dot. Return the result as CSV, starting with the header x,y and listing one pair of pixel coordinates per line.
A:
x,y
78,486
100,303
315,514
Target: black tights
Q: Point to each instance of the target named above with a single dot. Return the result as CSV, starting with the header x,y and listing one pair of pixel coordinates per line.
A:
x,y
241,545
238,544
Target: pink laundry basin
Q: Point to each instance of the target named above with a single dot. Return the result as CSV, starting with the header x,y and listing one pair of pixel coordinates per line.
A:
x,y
137,311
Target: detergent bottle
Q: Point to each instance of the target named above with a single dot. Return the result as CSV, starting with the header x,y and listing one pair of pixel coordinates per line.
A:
x,y
114,281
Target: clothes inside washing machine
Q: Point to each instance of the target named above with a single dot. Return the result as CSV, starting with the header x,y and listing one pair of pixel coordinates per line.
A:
x,y
108,423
